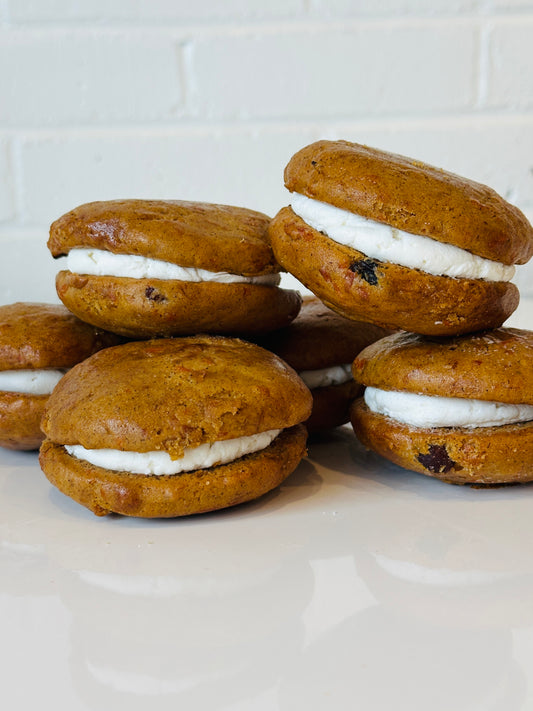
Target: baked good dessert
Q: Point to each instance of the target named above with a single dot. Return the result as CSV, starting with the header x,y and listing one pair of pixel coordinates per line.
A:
x,y
150,268
171,427
459,409
38,344
321,346
382,238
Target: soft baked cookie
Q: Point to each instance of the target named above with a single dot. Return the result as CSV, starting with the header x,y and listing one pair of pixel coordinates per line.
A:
x,y
172,427
459,409
38,343
146,268
386,239
321,346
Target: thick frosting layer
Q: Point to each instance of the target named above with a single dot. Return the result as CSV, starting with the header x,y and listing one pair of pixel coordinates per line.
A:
x,y
321,378
432,411
99,262
388,244
30,382
159,463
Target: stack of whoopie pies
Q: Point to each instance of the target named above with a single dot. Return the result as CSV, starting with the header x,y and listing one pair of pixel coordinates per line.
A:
x,y
389,240
192,419
193,377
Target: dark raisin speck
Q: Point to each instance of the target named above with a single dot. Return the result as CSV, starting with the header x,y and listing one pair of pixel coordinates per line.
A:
x,y
153,295
313,162
437,460
366,269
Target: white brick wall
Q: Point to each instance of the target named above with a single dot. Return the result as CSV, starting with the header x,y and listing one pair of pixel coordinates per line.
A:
x,y
65,77
208,100
337,71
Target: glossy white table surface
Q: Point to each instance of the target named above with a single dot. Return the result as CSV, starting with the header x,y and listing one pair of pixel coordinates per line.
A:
x,y
355,585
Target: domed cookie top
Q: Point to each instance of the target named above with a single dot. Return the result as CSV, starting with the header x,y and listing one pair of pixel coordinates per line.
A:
x,y
491,365
36,335
412,196
191,234
320,338
174,394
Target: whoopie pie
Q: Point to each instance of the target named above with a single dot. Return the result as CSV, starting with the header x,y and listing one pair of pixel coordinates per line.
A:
x,y
171,427
383,238
459,409
152,268
38,344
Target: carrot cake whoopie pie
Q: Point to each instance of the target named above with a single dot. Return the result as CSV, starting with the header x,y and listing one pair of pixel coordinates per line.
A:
x,y
38,344
459,409
172,427
382,238
321,346
151,268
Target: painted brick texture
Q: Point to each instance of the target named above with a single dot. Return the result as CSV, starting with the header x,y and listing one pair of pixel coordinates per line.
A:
x,y
207,101
335,72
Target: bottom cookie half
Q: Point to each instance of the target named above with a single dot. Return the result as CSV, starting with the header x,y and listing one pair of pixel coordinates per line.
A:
x,y
104,491
20,416
458,455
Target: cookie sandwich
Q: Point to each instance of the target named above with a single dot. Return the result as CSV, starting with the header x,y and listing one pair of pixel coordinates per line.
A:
x,y
382,238
38,344
459,409
321,346
171,427
152,268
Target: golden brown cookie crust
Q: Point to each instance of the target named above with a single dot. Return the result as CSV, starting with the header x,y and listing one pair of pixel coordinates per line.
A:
x,y
36,335
20,417
412,196
387,294
146,308
320,338
171,394
104,491
479,455
219,238
495,365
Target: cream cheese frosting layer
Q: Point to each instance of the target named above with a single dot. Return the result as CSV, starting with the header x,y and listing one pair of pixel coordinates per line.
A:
x,y
30,382
388,244
99,262
433,411
323,377
160,464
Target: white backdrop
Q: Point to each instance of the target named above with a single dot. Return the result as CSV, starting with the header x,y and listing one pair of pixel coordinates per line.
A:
x,y
208,101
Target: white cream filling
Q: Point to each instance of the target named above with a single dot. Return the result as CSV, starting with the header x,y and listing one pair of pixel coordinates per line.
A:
x,y
99,262
322,377
433,411
388,244
160,464
30,382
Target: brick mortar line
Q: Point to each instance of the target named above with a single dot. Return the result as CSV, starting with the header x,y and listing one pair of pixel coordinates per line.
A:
x,y
283,25
192,125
